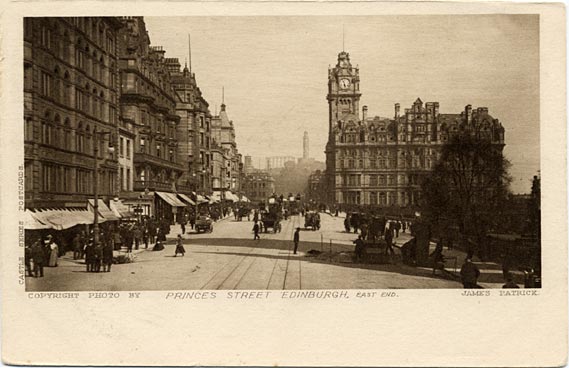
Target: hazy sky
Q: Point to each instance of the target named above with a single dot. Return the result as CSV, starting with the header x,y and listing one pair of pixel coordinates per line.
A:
x,y
274,70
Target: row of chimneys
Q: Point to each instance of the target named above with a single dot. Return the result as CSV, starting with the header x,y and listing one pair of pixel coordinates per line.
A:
x,y
397,109
435,107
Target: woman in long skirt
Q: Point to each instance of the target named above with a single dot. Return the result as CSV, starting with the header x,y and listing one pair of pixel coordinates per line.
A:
x,y
179,246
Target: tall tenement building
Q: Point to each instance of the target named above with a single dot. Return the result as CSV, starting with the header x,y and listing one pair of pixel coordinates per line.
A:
x,y
150,121
381,161
70,94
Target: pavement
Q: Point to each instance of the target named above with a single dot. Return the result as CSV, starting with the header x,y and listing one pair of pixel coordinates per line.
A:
x,y
229,258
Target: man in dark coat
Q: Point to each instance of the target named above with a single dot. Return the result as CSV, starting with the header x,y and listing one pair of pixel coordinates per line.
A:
x,y
469,274
38,256
107,257
389,242
296,239
256,231
359,251
28,259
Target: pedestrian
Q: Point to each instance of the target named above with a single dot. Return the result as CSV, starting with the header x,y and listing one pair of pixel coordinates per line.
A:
x,y
296,239
28,259
359,250
256,231
183,223
38,256
145,237
90,255
469,273
107,257
256,216
192,221
53,252
510,284
438,257
117,239
152,230
389,242
97,258
347,225
137,234
397,228
404,226
179,246
77,246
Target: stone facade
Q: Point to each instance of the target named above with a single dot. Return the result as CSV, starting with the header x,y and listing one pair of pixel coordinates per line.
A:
x,y
194,130
382,161
70,94
223,138
258,186
148,105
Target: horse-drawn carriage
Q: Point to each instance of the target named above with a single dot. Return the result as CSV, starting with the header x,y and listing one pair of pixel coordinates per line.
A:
x,y
271,218
312,220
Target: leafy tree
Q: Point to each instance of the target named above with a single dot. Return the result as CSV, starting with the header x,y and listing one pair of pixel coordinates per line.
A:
x,y
535,207
468,186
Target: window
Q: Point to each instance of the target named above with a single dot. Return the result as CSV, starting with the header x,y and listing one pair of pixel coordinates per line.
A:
x,y
29,129
381,179
201,121
142,145
121,178
128,148
373,198
121,148
382,198
28,78
46,37
373,180
45,84
128,179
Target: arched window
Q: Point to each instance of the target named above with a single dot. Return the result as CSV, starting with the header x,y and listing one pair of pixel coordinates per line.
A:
x,y
28,129
66,89
57,131
88,147
87,100
67,134
46,128
102,110
79,60
56,85
80,138
95,103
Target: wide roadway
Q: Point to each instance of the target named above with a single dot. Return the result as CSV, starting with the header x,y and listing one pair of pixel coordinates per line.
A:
x,y
229,259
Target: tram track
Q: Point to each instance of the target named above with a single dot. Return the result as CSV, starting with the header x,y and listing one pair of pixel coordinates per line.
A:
x,y
287,233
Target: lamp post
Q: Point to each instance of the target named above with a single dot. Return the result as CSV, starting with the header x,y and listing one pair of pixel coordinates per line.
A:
x,y
111,149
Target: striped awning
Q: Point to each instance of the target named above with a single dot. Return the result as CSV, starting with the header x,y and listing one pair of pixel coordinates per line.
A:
x,y
63,218
104,211
187,199
31,222
171,199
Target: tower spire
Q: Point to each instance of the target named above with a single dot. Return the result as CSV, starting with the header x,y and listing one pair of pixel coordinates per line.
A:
x,y
190,52
343,39
222,98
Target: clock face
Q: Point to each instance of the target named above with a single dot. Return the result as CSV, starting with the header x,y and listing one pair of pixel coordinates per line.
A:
x,y
344,83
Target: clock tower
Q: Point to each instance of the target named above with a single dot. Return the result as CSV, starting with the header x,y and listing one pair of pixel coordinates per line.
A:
x,y
343,106
343,92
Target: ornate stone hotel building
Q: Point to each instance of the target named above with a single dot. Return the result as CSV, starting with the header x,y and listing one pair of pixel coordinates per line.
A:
x,y
381,161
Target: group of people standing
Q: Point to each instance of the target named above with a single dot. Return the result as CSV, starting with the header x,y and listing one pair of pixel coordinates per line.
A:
x,y
41,253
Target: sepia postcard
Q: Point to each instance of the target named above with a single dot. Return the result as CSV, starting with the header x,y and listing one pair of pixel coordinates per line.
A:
x,y
284,183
